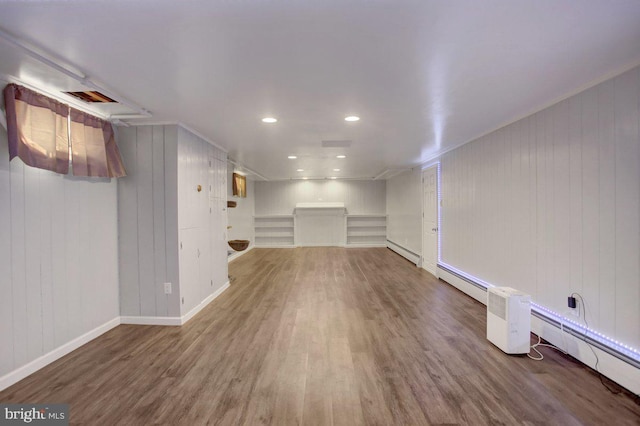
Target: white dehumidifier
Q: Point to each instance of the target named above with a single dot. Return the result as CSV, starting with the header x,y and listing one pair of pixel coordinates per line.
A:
x,y
509,319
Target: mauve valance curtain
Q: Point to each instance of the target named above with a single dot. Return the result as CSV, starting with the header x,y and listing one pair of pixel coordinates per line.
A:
x,y
93,147
37,129
38,133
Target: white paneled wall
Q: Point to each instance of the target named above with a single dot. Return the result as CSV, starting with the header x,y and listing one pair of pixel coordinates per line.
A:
x,y
202,219
550,205
170,231
241,217
359,196
148,227
58,259
404,210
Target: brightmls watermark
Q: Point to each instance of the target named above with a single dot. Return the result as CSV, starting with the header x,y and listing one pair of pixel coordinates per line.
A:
x,y
34,414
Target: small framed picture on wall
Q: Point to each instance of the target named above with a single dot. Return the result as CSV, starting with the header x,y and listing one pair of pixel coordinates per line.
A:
x,y
239,185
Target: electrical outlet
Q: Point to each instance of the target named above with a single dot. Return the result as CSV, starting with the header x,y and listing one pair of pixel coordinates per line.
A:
x,y
167,288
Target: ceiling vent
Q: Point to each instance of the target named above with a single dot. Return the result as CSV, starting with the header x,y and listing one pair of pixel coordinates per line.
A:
x,y
336,144
92,97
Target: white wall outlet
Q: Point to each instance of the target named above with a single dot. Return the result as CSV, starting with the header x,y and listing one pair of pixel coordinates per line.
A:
x,y
167,288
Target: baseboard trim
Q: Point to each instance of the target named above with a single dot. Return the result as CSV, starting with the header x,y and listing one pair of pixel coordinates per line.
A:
x,y
614,368
237,254
406,253
186,317
26,370
169,321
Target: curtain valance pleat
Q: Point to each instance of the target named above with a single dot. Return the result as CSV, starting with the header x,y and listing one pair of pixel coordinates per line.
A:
x,y
94,149
37,129
38,132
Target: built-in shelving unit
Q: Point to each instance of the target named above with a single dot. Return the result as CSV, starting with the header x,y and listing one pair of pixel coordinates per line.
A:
x,y
366,230
274,231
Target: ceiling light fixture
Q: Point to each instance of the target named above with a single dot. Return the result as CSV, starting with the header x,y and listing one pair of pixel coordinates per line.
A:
x,y
336,170
341,156
333,177
352,118
305,178
292,157
269,120
300,170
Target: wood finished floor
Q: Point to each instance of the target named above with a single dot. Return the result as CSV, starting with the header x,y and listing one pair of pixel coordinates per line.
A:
x,y
322,336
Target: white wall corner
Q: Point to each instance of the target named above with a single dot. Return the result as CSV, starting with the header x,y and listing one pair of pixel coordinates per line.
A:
x,y
237,254
186,317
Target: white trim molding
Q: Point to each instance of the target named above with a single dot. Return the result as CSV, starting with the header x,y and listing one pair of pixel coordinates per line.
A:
x,y
404,252
186,317
26,370
237,254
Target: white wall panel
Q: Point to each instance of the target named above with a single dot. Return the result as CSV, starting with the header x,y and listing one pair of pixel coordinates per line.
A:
x,y
404,210
18,263
359,197
7,328
147,221
551,205
201,218
158,200
59,259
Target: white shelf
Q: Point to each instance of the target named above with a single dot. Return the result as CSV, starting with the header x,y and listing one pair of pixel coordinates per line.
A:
x,y
274,230
366,230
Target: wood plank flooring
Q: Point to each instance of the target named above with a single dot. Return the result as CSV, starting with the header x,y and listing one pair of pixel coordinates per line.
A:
x,y
323,336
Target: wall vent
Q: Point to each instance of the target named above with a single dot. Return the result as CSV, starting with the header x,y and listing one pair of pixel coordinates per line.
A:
x,y
91,97
336,144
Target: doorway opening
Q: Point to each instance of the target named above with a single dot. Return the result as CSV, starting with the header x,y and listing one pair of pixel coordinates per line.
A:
x,y
430,218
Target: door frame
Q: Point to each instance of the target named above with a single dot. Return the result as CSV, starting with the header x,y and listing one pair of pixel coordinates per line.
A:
x,y
435,165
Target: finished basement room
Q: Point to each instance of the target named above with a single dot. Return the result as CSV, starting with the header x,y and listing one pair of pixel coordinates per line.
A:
x,y
321,212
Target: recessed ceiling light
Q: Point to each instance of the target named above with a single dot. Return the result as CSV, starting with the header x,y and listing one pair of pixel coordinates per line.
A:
x,y
352,118
333,177
292,157
300,170
305,178
269,120
336,170
341,156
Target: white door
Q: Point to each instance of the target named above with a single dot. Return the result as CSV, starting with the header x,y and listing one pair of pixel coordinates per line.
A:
x,y
430,219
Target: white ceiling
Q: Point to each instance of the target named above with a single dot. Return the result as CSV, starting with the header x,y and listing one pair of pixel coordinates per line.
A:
x,y
424,76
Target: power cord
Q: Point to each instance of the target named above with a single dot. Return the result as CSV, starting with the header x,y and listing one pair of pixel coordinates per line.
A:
x,y
540,357
583,313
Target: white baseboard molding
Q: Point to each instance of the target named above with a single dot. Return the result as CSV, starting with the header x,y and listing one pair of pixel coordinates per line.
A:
x,y
615,369
186,317
409,255
46,359
237,254
610,366
172,321
365,245
466,287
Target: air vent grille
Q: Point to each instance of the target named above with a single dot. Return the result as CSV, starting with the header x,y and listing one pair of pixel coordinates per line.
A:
x,y
336,144
498,305
92,97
